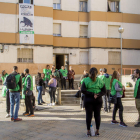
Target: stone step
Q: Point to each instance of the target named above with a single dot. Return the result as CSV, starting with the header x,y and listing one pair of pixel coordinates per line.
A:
x,y
76,102
128,99
67,95
129,96
69,99
129,93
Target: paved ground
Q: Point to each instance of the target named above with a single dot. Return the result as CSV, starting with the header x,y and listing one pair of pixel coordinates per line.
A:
x,y
67,123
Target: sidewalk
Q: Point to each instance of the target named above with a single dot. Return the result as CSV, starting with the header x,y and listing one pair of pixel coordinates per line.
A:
x,y
67,123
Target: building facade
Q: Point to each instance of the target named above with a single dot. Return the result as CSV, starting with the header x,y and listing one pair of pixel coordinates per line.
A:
x,y
80,33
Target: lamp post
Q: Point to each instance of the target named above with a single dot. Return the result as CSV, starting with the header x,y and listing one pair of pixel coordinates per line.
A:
x,y
121,30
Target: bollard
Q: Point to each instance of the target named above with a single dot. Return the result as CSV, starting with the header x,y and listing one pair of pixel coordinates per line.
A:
x,y
59,95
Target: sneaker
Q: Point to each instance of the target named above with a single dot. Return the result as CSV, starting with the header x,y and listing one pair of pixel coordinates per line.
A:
x,y
50,104
40,104
7,116
30,115
25,114
12,119
17,119
123,124
53,104
137,125
43,102
114,122
88,134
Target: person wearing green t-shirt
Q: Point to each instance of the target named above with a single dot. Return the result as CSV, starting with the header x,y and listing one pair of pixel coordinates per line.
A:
x,y
117,90
106,78
64,73
94,89
5,92
47,73
101,73
137,94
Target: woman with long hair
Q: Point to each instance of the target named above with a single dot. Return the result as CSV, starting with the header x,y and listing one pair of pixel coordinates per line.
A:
x,y
93,88
39,83
117,90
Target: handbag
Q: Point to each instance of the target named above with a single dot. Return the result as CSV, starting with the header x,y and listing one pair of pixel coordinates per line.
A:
x,y
78,94
113,99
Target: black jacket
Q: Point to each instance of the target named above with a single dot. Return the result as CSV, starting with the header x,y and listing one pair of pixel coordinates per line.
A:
x,y
138,92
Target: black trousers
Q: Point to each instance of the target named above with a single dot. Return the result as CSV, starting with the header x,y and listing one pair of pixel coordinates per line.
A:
x,y
29,105
63,83
7,102
93,105
106,103
71,83
119,106
52,91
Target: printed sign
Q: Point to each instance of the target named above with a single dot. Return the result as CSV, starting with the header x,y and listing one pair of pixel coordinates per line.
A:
x,y
26,23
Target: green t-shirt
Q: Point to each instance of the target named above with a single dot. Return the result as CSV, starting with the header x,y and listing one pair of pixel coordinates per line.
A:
x,y
4,77
64,72
136,88
100,76
107,81
47,73
94,87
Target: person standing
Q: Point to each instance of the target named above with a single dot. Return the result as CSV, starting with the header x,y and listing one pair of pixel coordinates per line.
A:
x,y
6,91
23,79
94,89
44,85
101,73
47,73
14,84
28,91
71,74
39,84
117,90
106,78
137,94
52,89
64,73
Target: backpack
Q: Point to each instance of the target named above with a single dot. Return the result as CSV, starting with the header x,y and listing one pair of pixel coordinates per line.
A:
x,y
11,81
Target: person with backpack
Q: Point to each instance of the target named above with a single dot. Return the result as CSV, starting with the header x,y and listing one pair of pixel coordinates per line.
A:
x,y
52,89
117,92
23,79
47,73
137,94
28,91
39,84
14,84
71,74
5,92
94,89
106,78
64,73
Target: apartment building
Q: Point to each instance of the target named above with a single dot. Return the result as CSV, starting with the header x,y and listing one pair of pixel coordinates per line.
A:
x,y
80,33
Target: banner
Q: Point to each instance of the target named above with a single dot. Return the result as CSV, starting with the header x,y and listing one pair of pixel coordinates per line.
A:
x,y
26,23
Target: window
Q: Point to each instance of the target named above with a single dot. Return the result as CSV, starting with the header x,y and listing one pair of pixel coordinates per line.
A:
x,y
83,59
114,5
56,29
25,55
114,58
83,6
83,31
113,31
26,1
56,4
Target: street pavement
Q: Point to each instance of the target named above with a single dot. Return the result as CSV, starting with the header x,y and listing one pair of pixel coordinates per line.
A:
x,y
67,123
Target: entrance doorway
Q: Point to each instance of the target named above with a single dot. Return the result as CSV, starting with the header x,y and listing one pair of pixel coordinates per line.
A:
x,y
61,60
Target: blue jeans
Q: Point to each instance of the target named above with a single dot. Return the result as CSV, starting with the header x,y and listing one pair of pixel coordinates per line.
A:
x,y
14,99
39,88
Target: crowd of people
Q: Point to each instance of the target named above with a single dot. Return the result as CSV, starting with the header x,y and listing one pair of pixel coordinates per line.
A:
x,y
94,90
105,88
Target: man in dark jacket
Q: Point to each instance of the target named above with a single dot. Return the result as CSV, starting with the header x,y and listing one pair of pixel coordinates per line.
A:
x,y
15,95
28,91
106,78
137,94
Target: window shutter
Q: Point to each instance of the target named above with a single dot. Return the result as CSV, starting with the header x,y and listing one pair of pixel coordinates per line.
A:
x,y
57,28
19,54
114,58
20,1
83,30
84,0
56,1
113,31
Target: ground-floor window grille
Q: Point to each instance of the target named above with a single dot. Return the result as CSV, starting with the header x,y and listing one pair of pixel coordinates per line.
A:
x,y
25,55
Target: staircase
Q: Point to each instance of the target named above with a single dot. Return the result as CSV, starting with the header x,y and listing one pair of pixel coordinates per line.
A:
x,y
68,97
